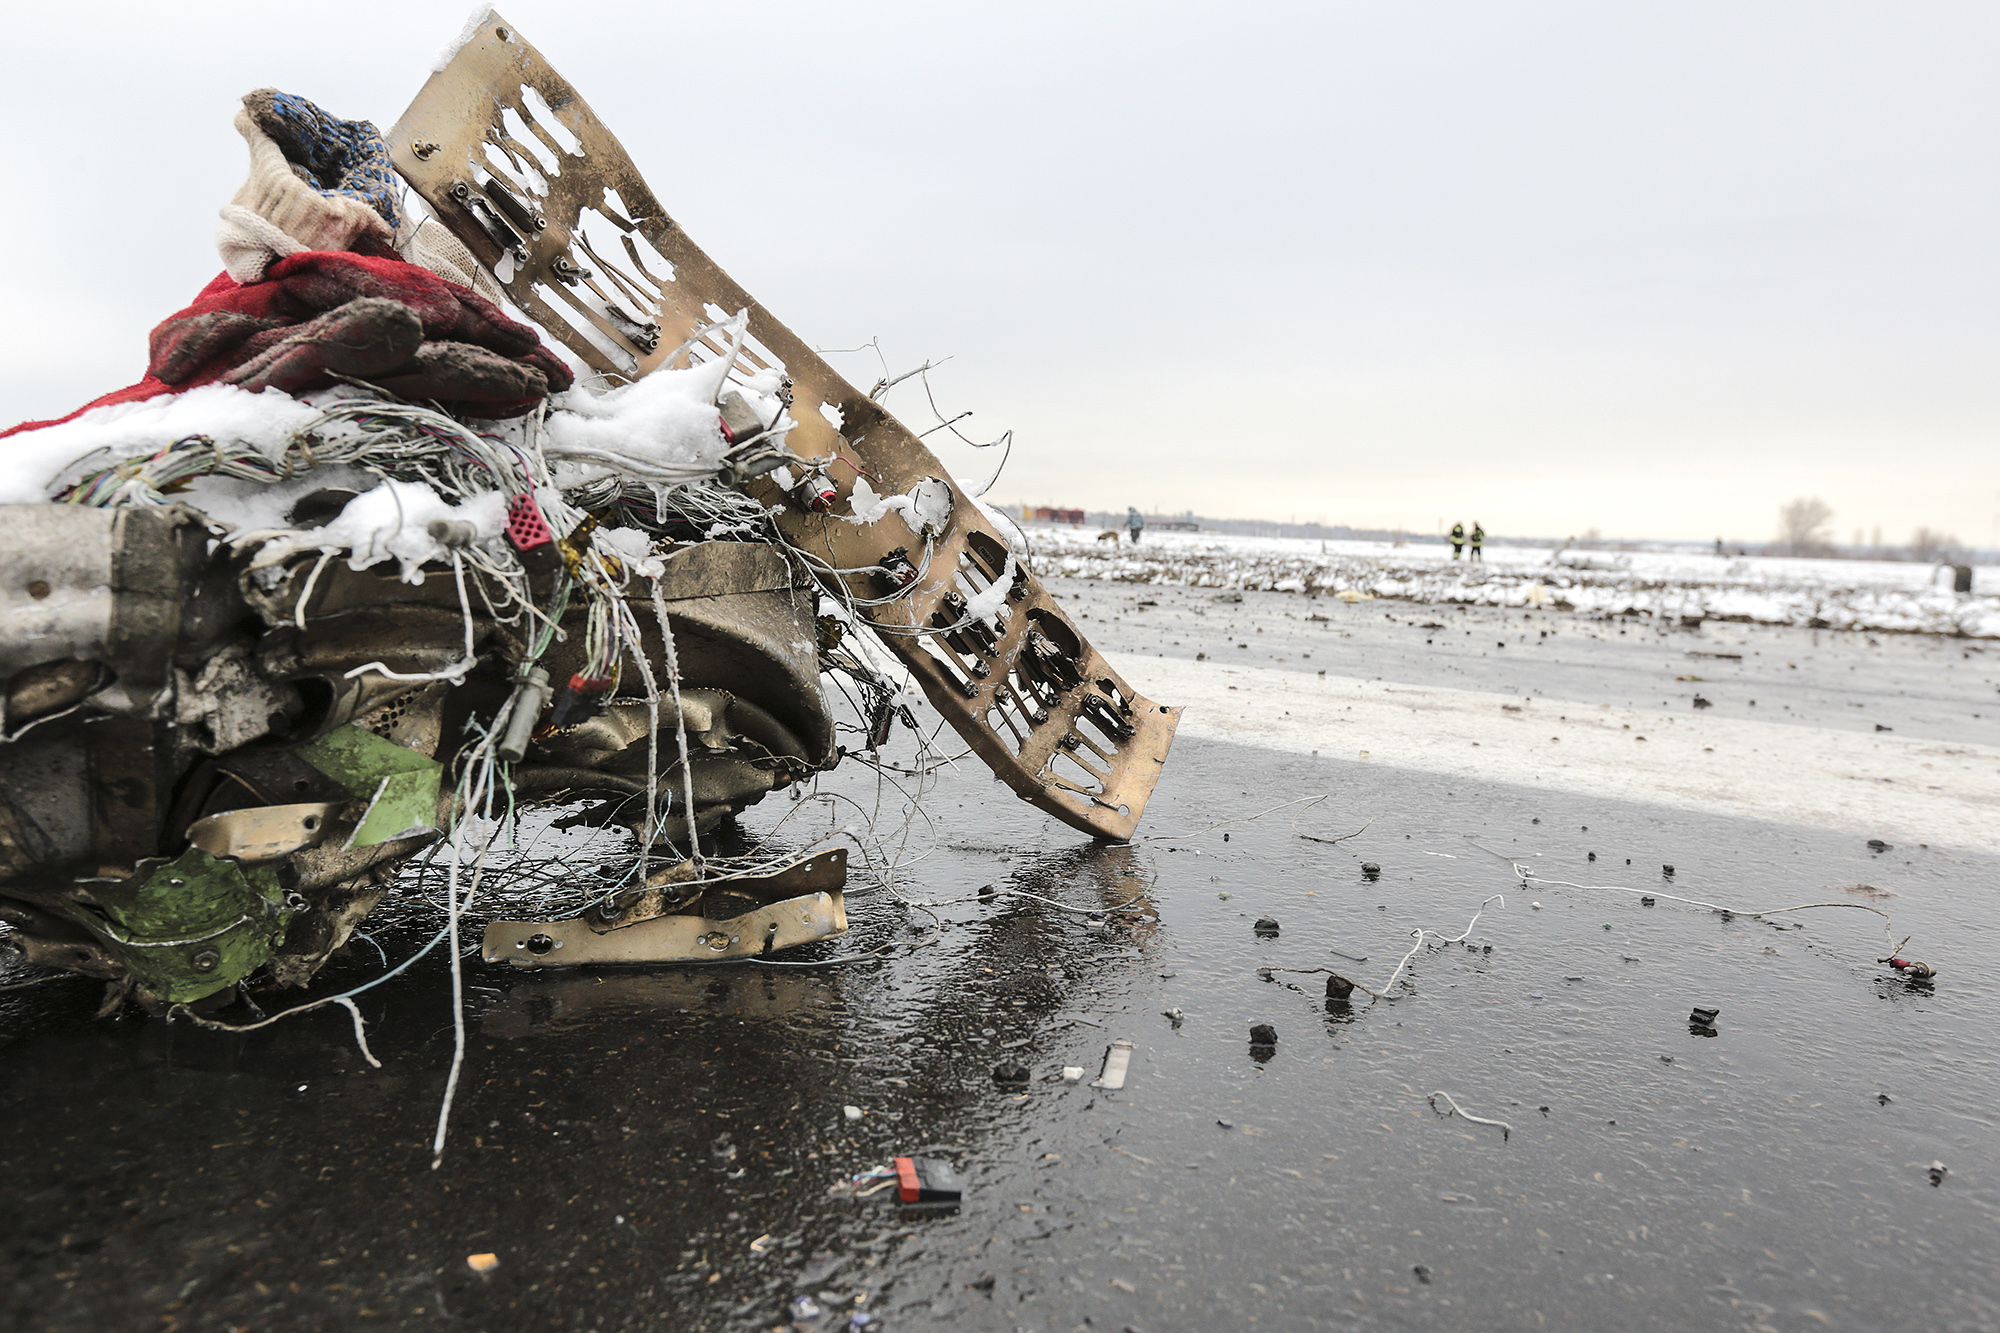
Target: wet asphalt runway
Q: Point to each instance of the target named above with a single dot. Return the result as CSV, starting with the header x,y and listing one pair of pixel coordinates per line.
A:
x,y
662,1149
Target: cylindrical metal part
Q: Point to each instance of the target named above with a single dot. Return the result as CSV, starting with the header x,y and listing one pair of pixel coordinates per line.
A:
x,y
524,709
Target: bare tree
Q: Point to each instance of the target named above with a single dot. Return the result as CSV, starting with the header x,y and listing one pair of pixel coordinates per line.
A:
x,y
1803,525
1928,544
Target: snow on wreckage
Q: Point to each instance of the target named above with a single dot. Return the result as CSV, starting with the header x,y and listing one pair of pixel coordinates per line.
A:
x,y
363,565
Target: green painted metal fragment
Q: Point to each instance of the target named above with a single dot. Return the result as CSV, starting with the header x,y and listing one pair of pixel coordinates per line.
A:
x,y
401,786
189,927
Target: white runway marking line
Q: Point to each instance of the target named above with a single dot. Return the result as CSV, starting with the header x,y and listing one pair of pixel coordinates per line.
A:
x,y
1886,786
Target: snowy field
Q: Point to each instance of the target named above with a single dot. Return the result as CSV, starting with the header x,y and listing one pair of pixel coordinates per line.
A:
x,y
1836,594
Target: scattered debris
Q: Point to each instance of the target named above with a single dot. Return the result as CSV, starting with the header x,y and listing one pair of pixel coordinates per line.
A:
x,y
1173,1016
1937,1173
1266,927
1370,871
1703,1017
1117,1059
1011,1075
1072,1074
1338,987
1422,1272
1877,845
482,1263
1263,1034
852,1113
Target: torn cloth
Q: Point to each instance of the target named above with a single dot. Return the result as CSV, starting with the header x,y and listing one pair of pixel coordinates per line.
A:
x,y
471,359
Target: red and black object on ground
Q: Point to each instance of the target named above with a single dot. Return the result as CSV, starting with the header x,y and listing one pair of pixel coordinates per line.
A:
x,y
927,1180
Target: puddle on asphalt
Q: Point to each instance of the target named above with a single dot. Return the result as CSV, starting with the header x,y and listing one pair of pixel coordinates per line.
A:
x,y
663,1147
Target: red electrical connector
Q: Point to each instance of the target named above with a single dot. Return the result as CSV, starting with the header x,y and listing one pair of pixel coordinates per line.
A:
x,y
927,1180
578,701
526,528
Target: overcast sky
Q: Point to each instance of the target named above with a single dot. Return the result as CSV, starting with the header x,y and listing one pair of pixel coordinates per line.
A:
x,y
1650,268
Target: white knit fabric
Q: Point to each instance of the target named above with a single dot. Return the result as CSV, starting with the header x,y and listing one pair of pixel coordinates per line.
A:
x,y
249,244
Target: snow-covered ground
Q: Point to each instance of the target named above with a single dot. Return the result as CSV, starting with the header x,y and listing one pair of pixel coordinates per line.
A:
x,y
1837,594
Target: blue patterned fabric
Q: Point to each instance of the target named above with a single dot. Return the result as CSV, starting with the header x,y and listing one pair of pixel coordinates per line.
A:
x,y
342,157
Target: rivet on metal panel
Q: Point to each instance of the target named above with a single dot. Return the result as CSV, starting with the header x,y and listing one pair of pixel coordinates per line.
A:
x,y
423,148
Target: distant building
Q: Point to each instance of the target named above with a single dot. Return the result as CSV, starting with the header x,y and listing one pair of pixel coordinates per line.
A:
x,y
1050,514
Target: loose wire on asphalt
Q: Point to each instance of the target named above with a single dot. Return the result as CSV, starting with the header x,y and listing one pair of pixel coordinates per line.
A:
x,y
1526,874
1506,1130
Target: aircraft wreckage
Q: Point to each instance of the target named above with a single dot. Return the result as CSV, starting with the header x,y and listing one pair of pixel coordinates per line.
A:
x,y
363,559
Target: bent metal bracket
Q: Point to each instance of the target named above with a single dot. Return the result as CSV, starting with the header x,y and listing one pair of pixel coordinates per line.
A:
x,y
513,161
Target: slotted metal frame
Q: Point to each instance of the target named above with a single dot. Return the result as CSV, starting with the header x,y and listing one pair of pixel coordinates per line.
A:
x,y
1025,690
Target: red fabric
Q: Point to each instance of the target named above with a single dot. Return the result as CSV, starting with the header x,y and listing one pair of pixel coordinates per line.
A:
x,y
300,288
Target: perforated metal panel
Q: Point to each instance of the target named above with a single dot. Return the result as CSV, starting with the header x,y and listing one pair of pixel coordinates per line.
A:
x,y
516,164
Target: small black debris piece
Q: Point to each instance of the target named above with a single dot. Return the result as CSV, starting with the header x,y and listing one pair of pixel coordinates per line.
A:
x,y
1266,928
1593,856
1263,1034
1877,845
1667,871
1938,1171
1370,871
1700,702
1647,900
1226,1124
1880,727
1337,988
1010,1075
1883,1099
1704,1017
1423,1273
